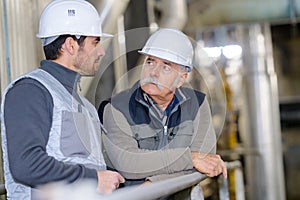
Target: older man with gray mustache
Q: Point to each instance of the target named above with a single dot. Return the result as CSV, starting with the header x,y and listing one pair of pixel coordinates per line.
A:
x,y
159,129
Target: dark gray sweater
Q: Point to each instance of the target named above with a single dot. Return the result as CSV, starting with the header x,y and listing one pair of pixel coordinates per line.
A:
x,y
28,114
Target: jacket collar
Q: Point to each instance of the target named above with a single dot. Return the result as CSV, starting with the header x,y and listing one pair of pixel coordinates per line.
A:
x,y
143,98
67,77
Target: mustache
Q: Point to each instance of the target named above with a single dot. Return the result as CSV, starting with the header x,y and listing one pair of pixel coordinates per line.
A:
x,y
152,80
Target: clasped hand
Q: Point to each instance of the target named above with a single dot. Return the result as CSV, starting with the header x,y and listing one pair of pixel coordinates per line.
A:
x,y
108,181
209,164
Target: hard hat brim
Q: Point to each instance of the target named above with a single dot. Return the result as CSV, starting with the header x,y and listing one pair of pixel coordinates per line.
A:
x,y
106,35
58,34
160,56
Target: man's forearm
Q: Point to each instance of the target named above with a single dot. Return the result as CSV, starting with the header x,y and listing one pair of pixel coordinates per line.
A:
x,y
168,176
139,163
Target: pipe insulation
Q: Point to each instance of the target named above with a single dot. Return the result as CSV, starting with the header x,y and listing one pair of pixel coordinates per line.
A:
x,y
219,12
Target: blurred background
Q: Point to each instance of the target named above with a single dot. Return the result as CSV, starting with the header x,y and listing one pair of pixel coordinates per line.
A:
x,y
247,59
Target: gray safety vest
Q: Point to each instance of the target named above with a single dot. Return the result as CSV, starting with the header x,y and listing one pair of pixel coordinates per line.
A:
x,y
75,135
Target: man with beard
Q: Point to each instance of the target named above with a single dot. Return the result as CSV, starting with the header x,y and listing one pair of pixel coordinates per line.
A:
x,y
49,131
159,129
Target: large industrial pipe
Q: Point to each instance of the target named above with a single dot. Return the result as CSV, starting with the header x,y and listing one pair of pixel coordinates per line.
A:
x,y
220,12
110,11
260,115
174,14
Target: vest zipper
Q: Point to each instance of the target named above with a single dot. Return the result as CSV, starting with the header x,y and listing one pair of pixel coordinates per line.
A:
x,y
165,130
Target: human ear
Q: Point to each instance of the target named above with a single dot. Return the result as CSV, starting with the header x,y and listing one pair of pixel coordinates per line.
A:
x,y
182,79
70,45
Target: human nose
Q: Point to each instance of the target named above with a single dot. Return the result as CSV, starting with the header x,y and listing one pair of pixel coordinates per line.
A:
x,y
154,72
100,50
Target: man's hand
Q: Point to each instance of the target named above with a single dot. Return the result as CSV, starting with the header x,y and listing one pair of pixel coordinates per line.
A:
x,y
108,181
146,182
209,164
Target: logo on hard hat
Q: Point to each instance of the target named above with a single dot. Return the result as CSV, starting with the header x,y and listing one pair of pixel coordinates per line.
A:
x,y
71,13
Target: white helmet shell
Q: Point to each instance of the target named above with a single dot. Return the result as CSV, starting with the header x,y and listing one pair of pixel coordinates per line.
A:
x,y
171,45
74,17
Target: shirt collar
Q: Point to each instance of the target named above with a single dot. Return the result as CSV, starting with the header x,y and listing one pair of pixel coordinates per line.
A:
x,y
65,76
145,99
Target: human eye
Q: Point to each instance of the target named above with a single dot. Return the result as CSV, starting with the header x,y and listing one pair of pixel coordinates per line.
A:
x,y
150,62
97,41
167,68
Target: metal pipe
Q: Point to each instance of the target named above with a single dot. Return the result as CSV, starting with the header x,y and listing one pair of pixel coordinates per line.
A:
x,y
110,11
245,11
260,115
169,186
236,166
85,189
239,184
7,56
293,11
223,188
119,53
174,14
162,188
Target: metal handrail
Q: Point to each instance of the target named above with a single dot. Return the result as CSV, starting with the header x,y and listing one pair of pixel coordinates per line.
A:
x,y
236,166
171,186
154,190
162,188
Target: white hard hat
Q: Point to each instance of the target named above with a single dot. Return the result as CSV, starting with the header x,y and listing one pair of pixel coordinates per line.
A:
x,y
74,17
170,44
